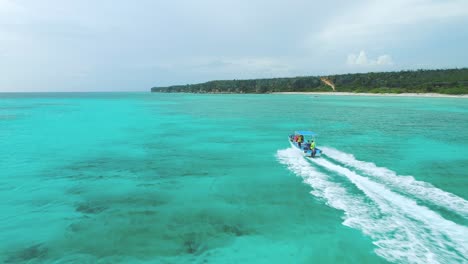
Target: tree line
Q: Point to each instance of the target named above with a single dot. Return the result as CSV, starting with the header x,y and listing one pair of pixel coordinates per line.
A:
x,y
445,81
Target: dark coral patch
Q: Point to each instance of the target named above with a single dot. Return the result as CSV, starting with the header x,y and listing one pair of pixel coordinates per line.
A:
x,y
37,251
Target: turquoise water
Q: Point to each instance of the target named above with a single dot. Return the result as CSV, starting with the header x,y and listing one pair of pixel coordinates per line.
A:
x,y
182,178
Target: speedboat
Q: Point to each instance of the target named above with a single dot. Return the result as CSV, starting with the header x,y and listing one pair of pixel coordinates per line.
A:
x,y
307,138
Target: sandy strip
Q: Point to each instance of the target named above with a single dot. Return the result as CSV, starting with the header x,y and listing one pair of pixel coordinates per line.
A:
x,y
379,94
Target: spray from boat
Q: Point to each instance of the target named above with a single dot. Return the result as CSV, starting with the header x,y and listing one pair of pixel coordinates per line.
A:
x,y
403,184
402,229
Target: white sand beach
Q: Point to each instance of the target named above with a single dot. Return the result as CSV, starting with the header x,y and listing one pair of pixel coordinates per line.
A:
x,y
381,94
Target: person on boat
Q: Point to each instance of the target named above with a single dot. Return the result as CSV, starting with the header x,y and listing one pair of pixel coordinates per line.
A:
x,y
295,138
307,146
300,138
312,148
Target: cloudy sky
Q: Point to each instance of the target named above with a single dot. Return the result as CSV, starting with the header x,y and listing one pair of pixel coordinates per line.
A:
x,y
123,45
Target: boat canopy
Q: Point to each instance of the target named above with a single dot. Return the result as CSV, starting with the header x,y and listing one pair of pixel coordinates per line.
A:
x,y
306,133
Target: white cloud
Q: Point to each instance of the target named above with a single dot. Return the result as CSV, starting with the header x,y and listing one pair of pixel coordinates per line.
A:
x,y
378,19
384,60
362,60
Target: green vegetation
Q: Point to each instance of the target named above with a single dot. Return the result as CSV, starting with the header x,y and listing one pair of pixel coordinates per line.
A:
x,y
451,81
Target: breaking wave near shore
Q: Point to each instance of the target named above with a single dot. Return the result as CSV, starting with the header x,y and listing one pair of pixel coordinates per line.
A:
x,y
400,214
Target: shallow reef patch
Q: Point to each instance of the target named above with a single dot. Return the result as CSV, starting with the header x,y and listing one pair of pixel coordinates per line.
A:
x,y
34,252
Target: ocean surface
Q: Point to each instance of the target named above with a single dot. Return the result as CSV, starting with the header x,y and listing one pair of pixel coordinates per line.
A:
x,y
185,178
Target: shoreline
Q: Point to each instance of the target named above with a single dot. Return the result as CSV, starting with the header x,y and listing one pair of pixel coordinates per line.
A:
x,y
431,95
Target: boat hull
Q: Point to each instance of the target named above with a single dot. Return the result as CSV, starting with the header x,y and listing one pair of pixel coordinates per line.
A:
x,y
308,153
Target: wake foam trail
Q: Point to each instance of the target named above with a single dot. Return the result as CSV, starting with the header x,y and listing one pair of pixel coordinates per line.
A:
x,y
334,195
404,184
402,230
432,237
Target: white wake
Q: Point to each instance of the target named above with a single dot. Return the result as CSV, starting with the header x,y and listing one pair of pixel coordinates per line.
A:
x,y
404,184
402,230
